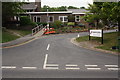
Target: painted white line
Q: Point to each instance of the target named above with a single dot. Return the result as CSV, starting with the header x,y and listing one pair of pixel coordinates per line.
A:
x,y
73,68
52,65
51,68
8,67
29,67
113,68
111,65
45,62
91,65
78,35
48,46
93,68
70,65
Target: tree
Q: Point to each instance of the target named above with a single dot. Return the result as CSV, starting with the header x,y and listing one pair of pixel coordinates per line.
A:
x,y
45,7
10,9
105,12
93,16
62,8
109,13
72,7
82,7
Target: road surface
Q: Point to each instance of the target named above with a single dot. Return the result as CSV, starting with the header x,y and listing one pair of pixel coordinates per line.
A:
x,y
54,56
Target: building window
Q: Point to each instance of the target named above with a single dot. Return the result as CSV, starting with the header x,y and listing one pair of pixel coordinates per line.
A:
x,y
77,18
37,19
63,18
51,18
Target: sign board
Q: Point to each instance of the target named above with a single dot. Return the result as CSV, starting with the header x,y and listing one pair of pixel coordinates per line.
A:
x,y
96,33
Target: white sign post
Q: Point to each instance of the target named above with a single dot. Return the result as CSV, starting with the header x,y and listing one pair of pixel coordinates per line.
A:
x,y
96,33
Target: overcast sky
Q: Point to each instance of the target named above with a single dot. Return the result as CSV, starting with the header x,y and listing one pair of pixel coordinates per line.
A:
x,y
57,3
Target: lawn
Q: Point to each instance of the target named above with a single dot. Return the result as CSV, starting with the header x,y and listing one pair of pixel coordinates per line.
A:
x,y
110,40
22,32
6,36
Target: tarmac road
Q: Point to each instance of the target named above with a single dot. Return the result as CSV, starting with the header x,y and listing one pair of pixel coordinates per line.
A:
x,y
54,56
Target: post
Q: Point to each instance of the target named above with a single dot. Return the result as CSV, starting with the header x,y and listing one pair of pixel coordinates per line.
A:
x,y
102,37
89,34
47,19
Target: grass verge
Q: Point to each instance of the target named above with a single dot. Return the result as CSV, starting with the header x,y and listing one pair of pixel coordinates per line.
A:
x,y
7,36
110,40
22,32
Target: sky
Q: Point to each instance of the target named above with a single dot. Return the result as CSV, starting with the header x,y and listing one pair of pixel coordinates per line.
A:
x,y
58,3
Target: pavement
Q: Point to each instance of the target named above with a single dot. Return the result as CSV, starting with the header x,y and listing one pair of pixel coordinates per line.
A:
x,y
22,40
54,56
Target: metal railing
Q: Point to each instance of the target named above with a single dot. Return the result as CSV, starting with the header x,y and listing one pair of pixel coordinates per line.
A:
x,y
37,29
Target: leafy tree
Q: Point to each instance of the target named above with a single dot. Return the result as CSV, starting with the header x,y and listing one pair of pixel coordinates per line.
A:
x,y
105,12
10,9
72,7
82,7
93,16
109,14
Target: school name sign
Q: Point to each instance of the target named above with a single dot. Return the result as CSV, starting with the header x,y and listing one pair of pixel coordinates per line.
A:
x,y
96,33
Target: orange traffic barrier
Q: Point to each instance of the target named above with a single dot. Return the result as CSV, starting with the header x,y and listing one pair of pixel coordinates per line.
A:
x,y
50,32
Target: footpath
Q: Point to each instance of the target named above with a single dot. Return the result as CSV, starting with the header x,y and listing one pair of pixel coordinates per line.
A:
x,y
22,40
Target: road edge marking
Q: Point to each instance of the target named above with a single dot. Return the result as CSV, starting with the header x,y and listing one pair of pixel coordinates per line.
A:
x,y
29,67
111,65
8,67
93,68
45,61
71,65
48,47
51,68
52,65
91,65
68,68
113,69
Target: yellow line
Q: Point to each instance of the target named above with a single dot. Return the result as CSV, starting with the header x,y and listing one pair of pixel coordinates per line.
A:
x,y
19,44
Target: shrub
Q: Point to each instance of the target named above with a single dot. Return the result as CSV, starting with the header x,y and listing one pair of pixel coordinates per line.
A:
x,y
57,24
71,23
81,25
41,23
24,20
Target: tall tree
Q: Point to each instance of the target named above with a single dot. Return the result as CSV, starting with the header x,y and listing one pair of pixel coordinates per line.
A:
x,y
72,7
10,9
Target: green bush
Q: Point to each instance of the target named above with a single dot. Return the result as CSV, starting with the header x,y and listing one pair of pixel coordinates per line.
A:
x,y
24,20
71,24
41,23
81,25
57,24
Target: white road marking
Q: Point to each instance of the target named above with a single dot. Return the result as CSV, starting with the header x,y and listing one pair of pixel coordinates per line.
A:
x,y
8,67
73,68
78,35
51,68
70,65
48,46
29,67
111,65
113,68
91,65
93,68
52,65
45,62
